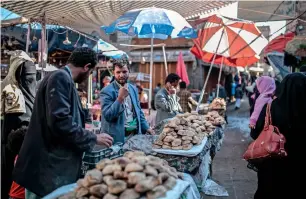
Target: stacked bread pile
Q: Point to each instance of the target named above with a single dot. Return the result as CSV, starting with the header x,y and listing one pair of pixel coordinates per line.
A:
x,y
188,129
218,103
183,132
132,176
214,118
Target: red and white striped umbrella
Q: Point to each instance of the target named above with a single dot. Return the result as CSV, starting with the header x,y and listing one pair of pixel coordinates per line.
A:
x,y
239,40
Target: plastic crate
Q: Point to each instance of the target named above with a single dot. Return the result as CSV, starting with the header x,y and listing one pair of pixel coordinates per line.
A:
x,y
90,159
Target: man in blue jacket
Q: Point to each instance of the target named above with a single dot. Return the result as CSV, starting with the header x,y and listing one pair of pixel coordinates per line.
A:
x,y
122,116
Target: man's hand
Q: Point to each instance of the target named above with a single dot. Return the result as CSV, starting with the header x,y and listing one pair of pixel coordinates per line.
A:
x,y
123,93
104,139
151,131
170,88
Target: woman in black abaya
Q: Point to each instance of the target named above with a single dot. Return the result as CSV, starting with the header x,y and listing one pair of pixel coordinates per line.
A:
x,y
19,83
277,178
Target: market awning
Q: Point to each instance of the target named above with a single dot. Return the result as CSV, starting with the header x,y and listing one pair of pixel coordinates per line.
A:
x,y
92,14
261,11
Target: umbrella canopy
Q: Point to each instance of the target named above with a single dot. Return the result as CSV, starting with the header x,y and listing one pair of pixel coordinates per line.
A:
x,y
240,41
152,23
181,69
108,50
279,43
208,57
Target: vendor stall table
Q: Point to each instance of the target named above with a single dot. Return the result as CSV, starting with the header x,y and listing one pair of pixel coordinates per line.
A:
x,y
199,166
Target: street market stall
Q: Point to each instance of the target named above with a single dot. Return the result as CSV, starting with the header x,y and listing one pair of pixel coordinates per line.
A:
x,y
194,162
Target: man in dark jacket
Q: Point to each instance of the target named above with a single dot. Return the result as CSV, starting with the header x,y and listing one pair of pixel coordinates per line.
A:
x,y
51,154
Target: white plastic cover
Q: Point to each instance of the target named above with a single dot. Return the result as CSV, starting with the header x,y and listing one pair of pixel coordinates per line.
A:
x,y
195,150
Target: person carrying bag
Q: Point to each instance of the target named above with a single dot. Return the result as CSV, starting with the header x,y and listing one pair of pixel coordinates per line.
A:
x,y
269,144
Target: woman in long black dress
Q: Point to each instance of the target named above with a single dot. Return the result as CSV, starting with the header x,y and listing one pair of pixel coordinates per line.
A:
x,y
277,178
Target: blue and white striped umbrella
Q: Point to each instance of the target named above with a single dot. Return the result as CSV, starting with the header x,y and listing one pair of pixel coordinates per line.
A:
x,y
152,23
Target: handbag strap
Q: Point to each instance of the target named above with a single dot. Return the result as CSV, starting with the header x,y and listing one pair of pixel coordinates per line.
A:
x,y
268,118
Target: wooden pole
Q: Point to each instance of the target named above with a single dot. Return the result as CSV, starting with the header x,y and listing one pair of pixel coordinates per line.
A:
x,y
151,73
220,72
165,60
28,37
43,44
208,74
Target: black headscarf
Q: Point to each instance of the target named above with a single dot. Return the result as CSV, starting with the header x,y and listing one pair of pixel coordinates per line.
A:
x,y
27,84
292,98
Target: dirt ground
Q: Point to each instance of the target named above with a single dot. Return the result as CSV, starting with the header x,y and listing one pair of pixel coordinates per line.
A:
x,y
229,169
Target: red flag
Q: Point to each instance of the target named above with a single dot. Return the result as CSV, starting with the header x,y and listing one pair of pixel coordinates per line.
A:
x,y
181,69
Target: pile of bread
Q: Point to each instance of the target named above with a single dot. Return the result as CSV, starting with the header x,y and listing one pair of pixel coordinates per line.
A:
x,y
186,130
218,103
214,118
132,176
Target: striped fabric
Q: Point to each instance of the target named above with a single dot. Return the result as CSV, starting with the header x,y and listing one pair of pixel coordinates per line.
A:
x,y
93,14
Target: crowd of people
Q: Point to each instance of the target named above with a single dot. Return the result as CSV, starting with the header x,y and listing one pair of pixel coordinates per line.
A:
x,y
44,140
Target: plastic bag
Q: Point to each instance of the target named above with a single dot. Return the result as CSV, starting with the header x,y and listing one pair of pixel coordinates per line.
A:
x,y
140,143
213,189
61,191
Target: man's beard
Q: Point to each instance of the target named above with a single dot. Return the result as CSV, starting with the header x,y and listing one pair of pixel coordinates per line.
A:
x,y
82,77
122,81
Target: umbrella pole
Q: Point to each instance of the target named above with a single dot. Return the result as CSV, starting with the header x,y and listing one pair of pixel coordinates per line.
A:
x,y
151,73
219,78
28,37
165,60
208,74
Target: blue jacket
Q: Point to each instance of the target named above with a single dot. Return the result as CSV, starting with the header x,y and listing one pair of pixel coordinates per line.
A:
x,y
113,112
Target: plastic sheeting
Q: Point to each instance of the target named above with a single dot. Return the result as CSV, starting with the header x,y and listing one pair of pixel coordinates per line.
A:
x,y
195,150
178,190
61,191
213,189
140,143
192,191
203,176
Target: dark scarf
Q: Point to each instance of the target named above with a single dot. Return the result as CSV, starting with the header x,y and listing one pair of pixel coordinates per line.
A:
x,y
292,98
27,84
